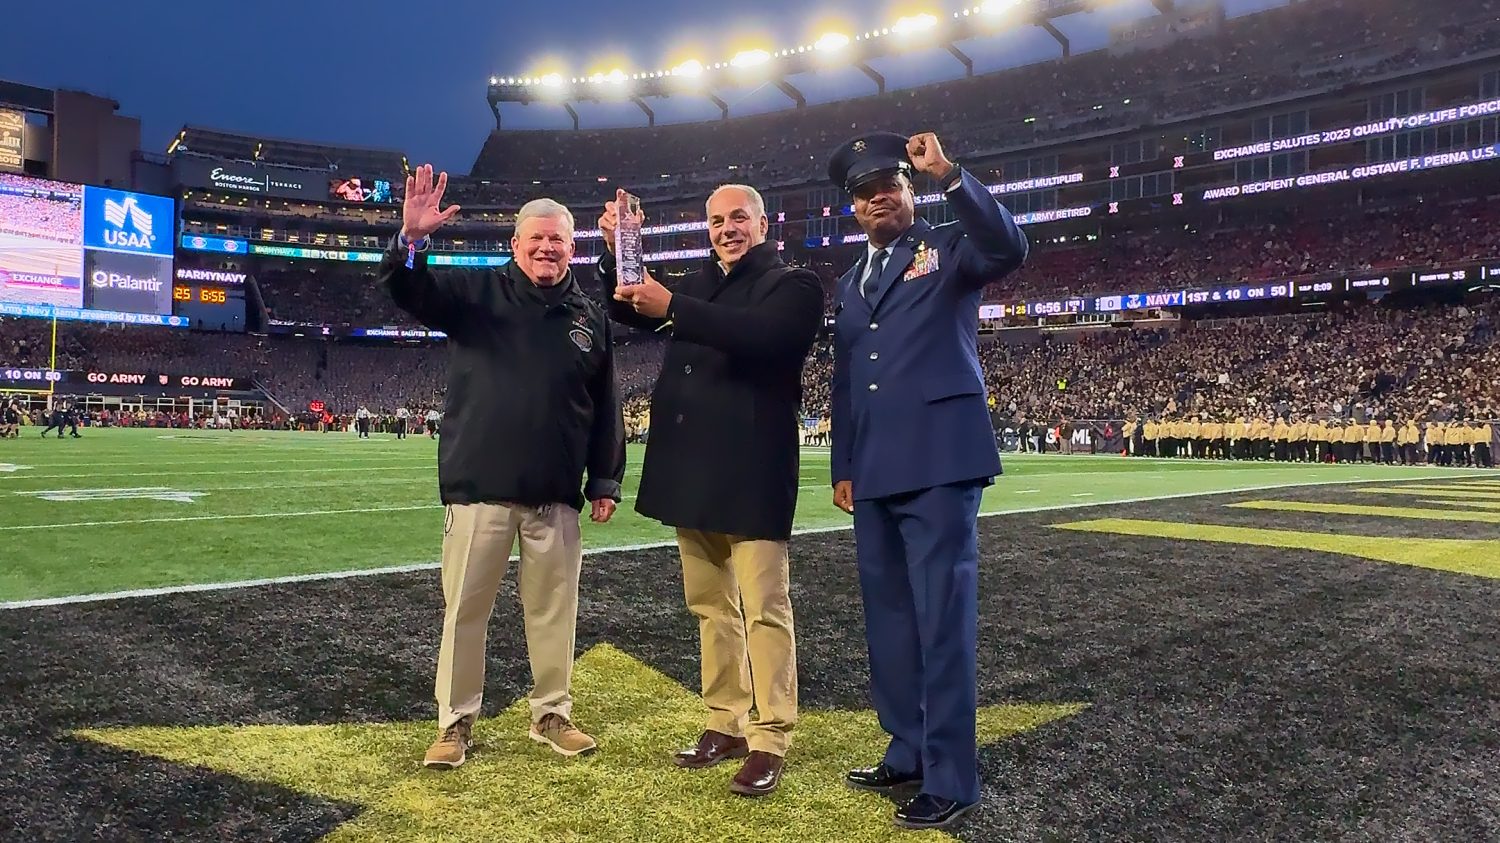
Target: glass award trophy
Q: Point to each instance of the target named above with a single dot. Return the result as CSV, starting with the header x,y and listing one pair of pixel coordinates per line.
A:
x,y
629,259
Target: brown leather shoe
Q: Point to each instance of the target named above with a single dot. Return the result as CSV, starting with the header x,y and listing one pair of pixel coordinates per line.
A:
x,y
759,776
712,748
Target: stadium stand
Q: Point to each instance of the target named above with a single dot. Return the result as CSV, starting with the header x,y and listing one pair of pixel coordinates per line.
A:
x,y
1273,241
1423,355
1283,51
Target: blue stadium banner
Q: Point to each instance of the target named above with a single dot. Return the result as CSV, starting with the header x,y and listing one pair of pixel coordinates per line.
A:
x,y
309,253
468,260
199,243
398,333
78,314
121,221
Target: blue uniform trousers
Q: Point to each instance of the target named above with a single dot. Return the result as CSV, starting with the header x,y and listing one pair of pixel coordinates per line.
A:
x,y
918,572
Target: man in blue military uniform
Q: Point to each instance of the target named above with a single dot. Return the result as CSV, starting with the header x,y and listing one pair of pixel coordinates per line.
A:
x,y
913,449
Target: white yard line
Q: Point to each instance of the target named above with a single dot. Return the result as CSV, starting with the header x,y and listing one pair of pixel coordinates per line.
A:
x,y
295,578
425,459
429,468
175,473
242,516
239,516
424,566
428,480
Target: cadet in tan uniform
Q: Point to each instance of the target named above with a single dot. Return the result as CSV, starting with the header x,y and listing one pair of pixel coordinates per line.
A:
x,y
1281,435
1213,434
1437,444
1193,434
1341,440
1296,439
1484,434
1260,438
1406,441
1387,439
1149,436
1239,434
1356,435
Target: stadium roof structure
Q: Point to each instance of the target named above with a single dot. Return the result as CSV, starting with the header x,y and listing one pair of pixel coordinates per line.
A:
x,y
233,146
27,97
694,78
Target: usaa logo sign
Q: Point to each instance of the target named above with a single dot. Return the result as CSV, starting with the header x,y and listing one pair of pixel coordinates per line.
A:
x,y
127,222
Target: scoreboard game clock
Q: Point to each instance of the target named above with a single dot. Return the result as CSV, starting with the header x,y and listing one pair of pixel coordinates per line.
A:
x,y
183,294
210,306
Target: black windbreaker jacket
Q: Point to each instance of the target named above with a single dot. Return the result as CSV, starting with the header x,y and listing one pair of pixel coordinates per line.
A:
x,y
531,398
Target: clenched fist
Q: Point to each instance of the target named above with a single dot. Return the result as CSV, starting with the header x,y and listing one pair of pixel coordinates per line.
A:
x,y
927,156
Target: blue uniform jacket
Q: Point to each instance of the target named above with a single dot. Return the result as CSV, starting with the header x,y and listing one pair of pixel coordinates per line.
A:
x,y
909,408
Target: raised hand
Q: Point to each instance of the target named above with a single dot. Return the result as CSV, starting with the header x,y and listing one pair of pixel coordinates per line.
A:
x,y
927,156
611,218
419,214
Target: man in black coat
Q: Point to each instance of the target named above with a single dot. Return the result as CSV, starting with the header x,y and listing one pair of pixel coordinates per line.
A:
x,y
531,407
722,467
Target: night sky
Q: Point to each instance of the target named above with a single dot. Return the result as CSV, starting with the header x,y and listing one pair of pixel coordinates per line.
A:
x,y
412,76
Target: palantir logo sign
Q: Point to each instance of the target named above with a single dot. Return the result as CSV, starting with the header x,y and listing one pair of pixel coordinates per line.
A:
x,y
117,281
127,222
128,282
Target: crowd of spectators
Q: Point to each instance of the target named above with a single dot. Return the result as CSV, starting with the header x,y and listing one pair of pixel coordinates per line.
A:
x,y
57,220
1280,242
1277,243
1435,361
1422,360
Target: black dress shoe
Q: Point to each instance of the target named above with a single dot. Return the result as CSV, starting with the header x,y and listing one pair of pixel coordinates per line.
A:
x,y
881,778
928,811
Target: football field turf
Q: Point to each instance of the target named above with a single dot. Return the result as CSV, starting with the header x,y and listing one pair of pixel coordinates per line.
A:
x,y
1167,651
121,510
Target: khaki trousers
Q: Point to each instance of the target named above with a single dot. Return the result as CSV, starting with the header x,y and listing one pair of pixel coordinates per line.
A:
x,y
477,541
749,656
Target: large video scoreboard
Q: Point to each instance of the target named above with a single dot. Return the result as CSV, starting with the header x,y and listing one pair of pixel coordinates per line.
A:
x,y
94,253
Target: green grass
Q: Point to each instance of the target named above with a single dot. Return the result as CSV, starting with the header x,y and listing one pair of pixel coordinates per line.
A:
x,y
281,504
